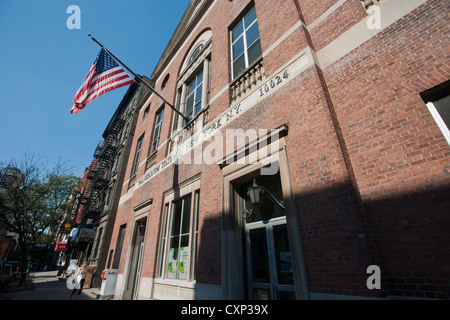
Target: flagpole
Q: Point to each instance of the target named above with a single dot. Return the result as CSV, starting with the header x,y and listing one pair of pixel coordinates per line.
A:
x,y
142,80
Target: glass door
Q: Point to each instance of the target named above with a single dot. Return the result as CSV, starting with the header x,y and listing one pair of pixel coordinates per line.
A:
x,y
136,260
137,276
269,263
268,251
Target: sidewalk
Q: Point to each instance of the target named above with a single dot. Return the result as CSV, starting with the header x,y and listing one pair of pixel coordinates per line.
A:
x,y
44,286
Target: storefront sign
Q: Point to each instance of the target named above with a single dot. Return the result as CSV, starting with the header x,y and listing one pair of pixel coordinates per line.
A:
x,y
60,246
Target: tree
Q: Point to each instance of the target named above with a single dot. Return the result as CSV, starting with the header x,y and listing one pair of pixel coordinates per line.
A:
x,y
33,200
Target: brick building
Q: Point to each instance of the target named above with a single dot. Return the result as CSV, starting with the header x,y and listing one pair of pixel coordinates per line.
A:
x,y
109,174
96,203
334,113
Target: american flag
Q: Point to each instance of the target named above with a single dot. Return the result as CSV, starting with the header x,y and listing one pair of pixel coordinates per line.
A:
x,y
105,75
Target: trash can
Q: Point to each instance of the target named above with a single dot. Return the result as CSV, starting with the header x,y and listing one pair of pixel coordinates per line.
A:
x,y
109,280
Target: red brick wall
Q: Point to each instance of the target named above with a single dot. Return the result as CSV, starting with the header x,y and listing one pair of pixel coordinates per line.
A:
x,y
314,9
369,166
399,155
337,23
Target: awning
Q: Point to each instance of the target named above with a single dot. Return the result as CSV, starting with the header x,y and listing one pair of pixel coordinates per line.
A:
x,y
84,234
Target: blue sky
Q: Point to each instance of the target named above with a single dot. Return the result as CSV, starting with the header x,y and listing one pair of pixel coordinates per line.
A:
x,y
43,63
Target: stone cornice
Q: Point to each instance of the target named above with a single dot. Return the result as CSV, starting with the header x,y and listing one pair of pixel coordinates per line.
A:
x,y
191,17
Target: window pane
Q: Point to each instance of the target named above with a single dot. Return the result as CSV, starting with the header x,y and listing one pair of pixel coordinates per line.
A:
x,y
238,66
259,261
195,53
195,239
138,155
172,264
261,294
179,251
174,243
176,219
186,215
443,107
250,18
198,107
154,145
254,52
184,241
237,31
189,104
163,240
194,92
287,295
183,260
198,94
252,34
157,131
283,255
238,48
199,79
191,87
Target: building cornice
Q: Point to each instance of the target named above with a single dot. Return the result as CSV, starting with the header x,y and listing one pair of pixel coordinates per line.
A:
x,y
190,19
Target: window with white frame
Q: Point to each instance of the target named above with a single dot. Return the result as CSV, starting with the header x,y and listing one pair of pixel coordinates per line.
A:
x,y
178,243
193,82
245,43
157,130
194,96
438,103
137,156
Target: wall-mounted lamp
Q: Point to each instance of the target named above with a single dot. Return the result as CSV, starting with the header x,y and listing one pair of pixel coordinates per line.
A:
x,y
254,192
141,228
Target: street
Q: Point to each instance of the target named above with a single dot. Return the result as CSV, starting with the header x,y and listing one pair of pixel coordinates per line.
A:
x,y
45,286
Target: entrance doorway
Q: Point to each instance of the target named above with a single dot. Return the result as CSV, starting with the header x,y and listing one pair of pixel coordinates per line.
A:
x,y
136,259
268,258
262,254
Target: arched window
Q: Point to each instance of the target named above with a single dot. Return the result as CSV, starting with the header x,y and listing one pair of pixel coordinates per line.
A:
x,y
193,81
195,53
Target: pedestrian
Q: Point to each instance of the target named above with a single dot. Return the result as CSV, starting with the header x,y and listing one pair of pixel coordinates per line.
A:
x,y
29,268
79,278
16,274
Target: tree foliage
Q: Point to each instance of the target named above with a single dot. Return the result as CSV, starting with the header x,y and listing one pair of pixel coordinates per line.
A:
x,y
33,199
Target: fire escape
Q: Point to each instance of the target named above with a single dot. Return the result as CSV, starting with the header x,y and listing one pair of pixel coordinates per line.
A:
x,y
100,174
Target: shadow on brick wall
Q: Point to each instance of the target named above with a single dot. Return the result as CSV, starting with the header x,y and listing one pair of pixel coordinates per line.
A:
x,y
407,236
